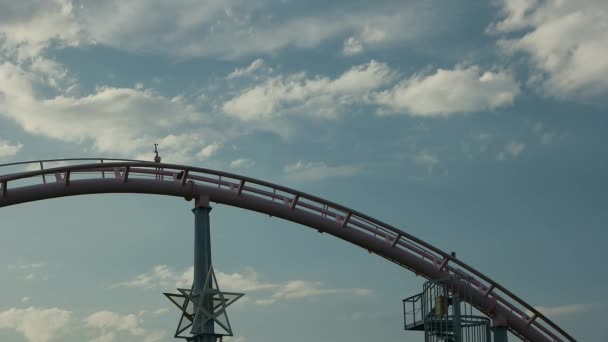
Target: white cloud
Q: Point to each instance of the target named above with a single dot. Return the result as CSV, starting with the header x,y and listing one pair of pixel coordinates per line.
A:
x,y
209,150
155,336
111,324
563,310
316,171
371,35
121,121
29,271
248,281
512,150
161,276
233,28
352,46
462,89
105,337
484,136
235,339
9,149
190,28
108,320
546,137
298,289
25,299
427,160
255,65
563,40
50,72
30,266
37,325
241,163
161,311
315,97
28,27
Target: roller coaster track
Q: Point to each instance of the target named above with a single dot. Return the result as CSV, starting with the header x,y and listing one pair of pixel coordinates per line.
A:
x,y
30,181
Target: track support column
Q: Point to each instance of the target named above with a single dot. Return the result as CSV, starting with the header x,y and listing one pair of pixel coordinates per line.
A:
x,y
202,331
203,306
499,327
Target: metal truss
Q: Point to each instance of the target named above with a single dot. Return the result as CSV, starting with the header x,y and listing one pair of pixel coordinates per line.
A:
x,y
31,181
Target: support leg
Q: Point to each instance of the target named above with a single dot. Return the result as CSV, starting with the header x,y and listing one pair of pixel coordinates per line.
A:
x,y
202,265
500,331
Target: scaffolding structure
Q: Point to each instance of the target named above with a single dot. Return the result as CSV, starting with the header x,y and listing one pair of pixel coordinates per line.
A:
x,y
443,312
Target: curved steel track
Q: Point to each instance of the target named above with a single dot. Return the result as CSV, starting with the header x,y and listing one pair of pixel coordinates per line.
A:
x,y
85,176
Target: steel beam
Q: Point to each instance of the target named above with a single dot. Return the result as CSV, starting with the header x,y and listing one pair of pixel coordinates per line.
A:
x,y
500,334
202,264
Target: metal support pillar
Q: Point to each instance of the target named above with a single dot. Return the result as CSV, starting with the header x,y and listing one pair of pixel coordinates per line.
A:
x,y
499,327
204,304
456,320
202,265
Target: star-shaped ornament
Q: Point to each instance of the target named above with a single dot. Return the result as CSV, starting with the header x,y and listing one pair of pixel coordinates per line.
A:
x,y
207,305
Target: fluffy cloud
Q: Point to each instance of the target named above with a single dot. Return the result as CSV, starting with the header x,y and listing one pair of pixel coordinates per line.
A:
x,y
9,149
241,163
563,310
160,276
209,150
235,339
30,271
31,266
108,320
352,46
155,336
111,324
316,171
255,65
512,150
163,276
223,28
45,325
248,281
27,27
161,311
565,41
370,36
317,96
462,89
37,325
106,337
298,289
426,160
236,28
120,121
546,137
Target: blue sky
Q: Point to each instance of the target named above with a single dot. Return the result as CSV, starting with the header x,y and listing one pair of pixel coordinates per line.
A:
x,y
478,127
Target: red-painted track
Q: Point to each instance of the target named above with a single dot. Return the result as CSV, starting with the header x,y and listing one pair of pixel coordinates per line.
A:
x,y
128,176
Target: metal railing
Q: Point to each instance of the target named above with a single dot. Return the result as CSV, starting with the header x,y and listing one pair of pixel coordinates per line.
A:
x,y
412,312
68,169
